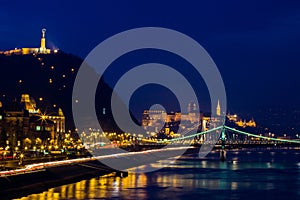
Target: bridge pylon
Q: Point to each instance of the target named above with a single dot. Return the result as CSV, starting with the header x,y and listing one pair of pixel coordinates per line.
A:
x,y
223,139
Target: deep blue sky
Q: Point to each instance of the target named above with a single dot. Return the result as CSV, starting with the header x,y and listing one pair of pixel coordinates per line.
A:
x,y
255,44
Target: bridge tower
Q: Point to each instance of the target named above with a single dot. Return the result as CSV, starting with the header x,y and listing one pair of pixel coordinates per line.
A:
x,y
223,139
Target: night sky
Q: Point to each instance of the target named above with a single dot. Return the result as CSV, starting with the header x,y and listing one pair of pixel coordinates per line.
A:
x,y
255,44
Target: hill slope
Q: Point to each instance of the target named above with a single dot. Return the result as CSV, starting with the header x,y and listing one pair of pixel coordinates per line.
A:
x,y
49,80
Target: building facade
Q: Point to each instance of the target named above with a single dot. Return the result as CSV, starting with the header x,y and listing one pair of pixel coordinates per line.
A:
x,y
23,125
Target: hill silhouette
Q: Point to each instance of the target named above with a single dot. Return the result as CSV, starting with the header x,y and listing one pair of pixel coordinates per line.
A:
x,y
49,79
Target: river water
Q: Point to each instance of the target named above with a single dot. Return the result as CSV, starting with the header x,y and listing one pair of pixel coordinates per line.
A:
x,y
246,174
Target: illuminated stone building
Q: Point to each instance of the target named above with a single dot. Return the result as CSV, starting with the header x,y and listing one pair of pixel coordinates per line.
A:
x,y
14,125
29,104
158,121
244,124
209,121
153,120
58,120
41,129
58,117
240,122
31,50
23,123
233,118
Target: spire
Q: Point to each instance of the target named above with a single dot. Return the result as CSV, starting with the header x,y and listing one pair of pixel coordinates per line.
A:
x,y
218,109
60,112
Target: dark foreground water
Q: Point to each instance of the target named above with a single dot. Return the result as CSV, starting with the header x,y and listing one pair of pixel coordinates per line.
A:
x,y
247,174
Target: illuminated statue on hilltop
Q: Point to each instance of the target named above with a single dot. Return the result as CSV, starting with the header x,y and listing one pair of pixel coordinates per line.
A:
x,y
25,50
43,42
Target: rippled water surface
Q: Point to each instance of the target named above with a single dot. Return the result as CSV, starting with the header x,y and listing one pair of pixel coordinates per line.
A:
x,y
247,174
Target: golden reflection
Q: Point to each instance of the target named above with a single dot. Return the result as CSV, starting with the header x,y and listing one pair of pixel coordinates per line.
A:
x,y
56,196
63,191
134,186
80,189
50,193
42,196
70,191
92,184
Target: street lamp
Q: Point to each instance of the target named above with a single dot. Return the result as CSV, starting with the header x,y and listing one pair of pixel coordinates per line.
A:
x,y
21,159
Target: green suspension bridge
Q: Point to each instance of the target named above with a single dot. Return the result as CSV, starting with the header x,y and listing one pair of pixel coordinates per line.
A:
x,y
223,135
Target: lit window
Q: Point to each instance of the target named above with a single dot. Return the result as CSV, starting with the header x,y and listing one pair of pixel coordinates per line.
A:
x,y
38,128
0,117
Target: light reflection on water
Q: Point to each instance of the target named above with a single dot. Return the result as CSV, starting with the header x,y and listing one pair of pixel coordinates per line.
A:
x,y
269,174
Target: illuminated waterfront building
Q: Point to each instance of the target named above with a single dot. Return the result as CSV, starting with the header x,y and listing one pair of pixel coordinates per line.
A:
x,y
23,124
240,122
58,117
14,125
29,103
154,120
244,124
59,120
209,121
233,118
158,121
